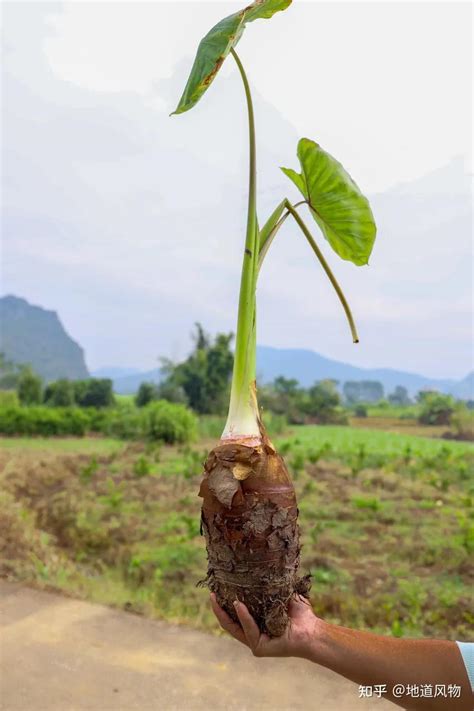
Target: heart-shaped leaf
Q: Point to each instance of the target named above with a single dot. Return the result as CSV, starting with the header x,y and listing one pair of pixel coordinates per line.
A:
x,y
336,203
216,45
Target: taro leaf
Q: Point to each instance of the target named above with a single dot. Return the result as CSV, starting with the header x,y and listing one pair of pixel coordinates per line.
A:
x,y
336,203
216,45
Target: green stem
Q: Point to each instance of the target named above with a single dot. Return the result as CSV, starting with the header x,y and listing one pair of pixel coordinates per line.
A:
x,y
326,268
265,245
242,417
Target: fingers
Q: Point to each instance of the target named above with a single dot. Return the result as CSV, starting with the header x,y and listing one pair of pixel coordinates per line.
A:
x,y
249,626
226,622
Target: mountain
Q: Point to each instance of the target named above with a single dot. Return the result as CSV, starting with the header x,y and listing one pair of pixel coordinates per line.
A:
x,y
33,335
127,380
464,389
114,372
307,367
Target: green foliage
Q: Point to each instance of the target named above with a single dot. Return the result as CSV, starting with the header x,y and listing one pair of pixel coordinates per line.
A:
x,y
399,397
436,409
204,376
124,422
337,205
59,393
141,467
145,394
320,403
462,422
94,392
44,421
9,373
169,422
217,44
89,470
360,411
364,391
29,387
8,398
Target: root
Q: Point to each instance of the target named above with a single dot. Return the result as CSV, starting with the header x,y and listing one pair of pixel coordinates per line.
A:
x,y
249,519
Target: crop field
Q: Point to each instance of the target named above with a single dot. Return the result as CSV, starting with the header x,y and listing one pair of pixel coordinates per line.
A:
x,y
387,524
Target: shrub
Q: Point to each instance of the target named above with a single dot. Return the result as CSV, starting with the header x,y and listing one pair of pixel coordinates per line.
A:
x,y
436,409
94,392
141,467
59,394
43,421
169,422
8,398
124,422
146,394
462,423
360,411
29,387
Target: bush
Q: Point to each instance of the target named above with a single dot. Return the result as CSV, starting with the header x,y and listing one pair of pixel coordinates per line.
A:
x,y
8,398
146,394
29,388
436,409
462,424
43,421
169,422
94,392
124,422
160,421
59,394
360,411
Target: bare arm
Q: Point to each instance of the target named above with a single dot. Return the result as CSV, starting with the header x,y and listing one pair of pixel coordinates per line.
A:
x,y
365,658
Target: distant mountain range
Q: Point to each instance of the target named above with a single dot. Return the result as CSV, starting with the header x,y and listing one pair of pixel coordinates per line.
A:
x,y
307,367
32,335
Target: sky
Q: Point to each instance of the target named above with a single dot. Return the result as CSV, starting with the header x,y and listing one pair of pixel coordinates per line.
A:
x,y
130,224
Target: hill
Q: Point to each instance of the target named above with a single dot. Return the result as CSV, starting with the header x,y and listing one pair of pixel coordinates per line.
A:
x,y
307,367
33,335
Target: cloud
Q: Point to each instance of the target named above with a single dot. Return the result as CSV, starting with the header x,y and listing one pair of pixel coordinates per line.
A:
x,y
131,223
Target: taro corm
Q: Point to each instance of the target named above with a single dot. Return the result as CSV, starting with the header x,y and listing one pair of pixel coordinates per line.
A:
x,y
249,510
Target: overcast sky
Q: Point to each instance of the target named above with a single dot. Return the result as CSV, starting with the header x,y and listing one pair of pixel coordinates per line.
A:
x,y
130,224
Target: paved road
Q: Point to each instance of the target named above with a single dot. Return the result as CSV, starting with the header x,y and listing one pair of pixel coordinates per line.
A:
x,y
59,654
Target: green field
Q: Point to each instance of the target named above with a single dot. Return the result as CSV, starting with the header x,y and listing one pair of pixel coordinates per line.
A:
x,y
344,439
386,520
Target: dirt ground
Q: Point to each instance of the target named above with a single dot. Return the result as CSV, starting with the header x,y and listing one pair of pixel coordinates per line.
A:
x,y
60,654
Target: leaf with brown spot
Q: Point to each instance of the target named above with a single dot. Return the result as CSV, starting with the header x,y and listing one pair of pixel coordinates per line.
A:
x,y
216,45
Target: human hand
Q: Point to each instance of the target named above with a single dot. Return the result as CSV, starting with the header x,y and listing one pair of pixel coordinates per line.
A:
x,y
299,637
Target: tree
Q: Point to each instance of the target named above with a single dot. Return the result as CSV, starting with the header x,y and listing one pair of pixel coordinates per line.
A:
x,y
59,393
29,387
436,409
284,397
205,375
362,391
94,392
399,396
9,373
145,394
322,401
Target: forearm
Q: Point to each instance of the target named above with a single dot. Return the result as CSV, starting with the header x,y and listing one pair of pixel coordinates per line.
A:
x,y
370,660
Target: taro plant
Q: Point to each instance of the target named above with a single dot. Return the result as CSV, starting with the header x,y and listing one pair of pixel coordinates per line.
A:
x,y
249,512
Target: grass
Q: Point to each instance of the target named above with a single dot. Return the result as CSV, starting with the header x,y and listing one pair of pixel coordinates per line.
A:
x,y
73,445
387,525
342,439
